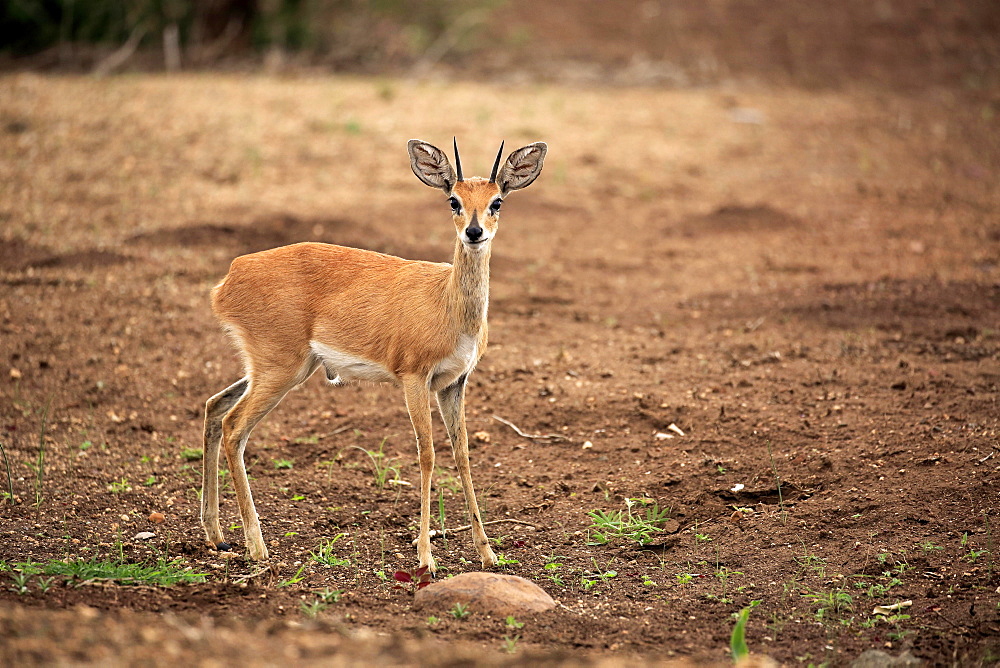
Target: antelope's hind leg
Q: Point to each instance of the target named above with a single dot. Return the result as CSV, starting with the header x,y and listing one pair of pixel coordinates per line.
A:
x,y
265,391
216,409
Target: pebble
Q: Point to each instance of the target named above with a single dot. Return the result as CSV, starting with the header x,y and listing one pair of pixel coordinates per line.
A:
x,y
145,535
157,518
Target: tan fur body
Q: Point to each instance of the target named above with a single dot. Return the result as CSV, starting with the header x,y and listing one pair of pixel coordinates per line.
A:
x,y
406,315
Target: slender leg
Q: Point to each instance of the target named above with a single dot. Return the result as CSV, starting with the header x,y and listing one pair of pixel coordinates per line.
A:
x,y
417,404
265,391
451,401
215,410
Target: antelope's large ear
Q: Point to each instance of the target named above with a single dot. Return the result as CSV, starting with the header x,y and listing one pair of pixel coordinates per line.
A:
x,y
522,167
431,166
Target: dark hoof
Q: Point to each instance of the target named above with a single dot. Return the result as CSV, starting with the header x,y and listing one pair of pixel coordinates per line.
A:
x,y
224,547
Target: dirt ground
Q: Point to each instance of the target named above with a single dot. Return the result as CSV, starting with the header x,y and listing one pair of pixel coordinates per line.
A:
x,y
805,283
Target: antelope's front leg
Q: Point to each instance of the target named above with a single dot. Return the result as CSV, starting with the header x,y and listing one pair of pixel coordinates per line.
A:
x,y
417,404
451,401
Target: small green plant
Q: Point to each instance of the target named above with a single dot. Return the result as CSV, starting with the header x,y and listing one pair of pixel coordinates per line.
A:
x,y
928,546
150,481
330,596
972,556
283,464
324,553
829,603
723,574
44,584
120,486
505,561
432,620
382,465
460,611
684,578
39,465
629,523
295,579
777,480
9,494
312,608
598,574
512,623
192,454
737,640
20,580
441,513
510,644
702,538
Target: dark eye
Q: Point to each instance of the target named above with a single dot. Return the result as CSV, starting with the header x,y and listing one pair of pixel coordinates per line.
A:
x,y
456,206
495,206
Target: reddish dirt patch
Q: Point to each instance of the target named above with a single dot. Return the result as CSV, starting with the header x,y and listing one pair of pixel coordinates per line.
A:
x,y
812,300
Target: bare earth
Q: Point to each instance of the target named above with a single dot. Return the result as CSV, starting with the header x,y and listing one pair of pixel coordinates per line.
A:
x,y
807,284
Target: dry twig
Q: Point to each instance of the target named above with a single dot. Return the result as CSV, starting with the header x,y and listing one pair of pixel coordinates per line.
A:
x,y
469,526
553,437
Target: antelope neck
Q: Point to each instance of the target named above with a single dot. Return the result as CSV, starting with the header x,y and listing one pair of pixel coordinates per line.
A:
x,y
470,284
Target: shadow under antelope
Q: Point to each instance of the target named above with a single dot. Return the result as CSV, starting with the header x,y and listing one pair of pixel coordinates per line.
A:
x,y
362,315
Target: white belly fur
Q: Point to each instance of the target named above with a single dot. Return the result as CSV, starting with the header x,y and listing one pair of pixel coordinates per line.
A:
x,y
342,367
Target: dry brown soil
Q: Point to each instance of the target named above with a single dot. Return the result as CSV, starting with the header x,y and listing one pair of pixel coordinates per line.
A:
x,y
805,283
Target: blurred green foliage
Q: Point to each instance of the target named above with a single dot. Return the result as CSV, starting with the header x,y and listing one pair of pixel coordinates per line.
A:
x,y
355,30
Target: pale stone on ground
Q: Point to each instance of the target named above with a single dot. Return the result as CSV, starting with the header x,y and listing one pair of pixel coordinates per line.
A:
x,y
485,593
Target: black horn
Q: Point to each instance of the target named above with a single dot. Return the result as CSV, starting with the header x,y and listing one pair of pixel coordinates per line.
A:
x,y
496,165
458,160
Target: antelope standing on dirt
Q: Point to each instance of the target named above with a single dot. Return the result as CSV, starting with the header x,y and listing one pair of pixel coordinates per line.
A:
x,y
363,315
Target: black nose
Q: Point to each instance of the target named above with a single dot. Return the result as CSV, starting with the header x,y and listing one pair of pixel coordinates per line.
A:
x,y
474,232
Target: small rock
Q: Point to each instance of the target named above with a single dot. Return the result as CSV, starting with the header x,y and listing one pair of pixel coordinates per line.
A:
x,y
485,593
144,535
157,518
15,374
482,436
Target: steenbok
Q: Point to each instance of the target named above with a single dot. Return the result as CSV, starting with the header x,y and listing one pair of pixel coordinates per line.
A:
x,y
366,316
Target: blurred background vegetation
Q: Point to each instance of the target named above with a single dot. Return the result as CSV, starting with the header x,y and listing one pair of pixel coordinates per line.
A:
x,y
191,33
811,43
